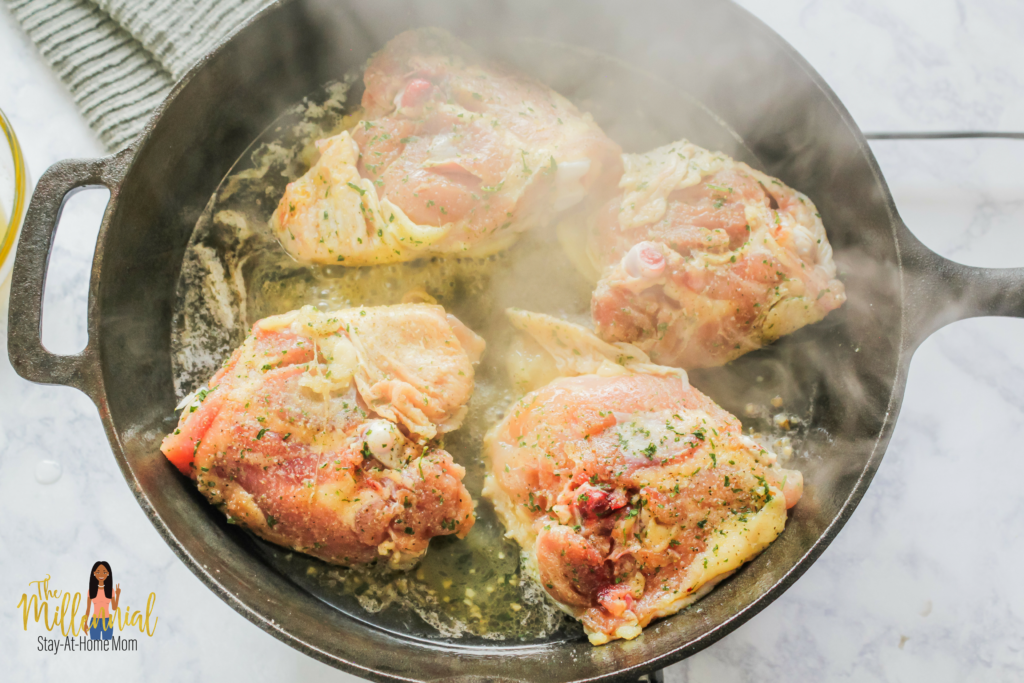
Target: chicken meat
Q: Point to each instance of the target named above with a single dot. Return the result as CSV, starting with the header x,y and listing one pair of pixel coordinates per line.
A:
x,y
703,258
631,492
320,432
454,155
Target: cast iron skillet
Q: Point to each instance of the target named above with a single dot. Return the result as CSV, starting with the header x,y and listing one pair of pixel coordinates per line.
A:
x,y
851,369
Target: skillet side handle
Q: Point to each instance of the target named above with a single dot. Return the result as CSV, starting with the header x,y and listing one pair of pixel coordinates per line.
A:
x,y
29,357
939,291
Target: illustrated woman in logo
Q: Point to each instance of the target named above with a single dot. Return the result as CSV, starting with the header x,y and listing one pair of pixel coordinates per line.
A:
x,y
103,602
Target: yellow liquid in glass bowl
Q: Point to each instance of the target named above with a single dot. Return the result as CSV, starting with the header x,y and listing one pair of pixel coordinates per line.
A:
x,y
12,196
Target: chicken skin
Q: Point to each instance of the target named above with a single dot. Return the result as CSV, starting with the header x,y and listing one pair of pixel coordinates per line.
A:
x,y
630,491
453,155
704,259
319,432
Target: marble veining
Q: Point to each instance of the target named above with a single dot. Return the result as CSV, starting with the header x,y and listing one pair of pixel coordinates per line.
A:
x,y
921,585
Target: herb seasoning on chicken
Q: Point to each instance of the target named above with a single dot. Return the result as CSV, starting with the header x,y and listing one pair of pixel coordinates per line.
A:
x,y
453,155
319,433
631,492
704,258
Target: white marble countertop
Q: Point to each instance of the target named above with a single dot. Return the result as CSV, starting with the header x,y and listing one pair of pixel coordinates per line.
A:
x,y
921,585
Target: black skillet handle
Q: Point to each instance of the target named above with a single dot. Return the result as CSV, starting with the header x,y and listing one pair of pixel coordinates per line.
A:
x,y
29,357
939,291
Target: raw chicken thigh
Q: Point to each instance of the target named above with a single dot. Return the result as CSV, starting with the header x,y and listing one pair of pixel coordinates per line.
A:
x,y
454,155
631,492
703,258
318,433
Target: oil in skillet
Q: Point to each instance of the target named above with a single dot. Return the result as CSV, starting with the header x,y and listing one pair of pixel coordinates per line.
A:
x,y
235,273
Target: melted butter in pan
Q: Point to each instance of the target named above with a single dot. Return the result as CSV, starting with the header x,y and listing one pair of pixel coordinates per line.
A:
x,y
235,273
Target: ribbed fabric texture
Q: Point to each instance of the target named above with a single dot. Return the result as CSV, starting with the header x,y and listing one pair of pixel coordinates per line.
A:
x,y
119,58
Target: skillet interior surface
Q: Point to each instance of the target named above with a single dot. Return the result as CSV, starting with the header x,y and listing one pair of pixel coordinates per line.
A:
x,y
633,72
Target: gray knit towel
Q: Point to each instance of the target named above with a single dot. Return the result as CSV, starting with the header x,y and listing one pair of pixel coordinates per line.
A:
x,y
119,58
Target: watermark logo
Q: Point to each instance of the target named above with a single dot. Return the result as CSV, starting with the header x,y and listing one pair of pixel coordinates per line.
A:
x,y
87,621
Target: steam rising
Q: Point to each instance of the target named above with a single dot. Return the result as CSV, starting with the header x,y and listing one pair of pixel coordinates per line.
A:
x,y
235,273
